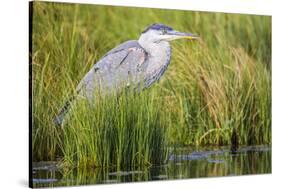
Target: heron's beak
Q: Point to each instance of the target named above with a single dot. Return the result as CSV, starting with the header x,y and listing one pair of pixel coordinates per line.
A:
x,y
178,35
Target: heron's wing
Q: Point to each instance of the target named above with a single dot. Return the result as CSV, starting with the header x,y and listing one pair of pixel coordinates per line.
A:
x,y
121,64
123,46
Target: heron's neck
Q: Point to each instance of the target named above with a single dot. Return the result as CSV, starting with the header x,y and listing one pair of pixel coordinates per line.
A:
x,y
154,49
158,55
159,52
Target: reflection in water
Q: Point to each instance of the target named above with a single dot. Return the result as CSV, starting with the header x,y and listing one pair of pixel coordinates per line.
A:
x,y
183,163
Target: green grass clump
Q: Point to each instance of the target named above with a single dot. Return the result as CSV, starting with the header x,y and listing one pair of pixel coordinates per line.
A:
x,y
213,86
119,130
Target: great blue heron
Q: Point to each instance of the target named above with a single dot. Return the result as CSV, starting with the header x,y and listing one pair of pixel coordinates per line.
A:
x,y
137,63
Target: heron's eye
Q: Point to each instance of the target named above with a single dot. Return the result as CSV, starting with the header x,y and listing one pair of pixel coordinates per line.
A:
x,y
164,31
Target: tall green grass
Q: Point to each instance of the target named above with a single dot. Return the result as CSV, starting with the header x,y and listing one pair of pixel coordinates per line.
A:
x,y
119,130
215,85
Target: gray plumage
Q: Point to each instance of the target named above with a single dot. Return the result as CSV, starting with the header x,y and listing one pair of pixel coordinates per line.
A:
x,y
136,63
119,68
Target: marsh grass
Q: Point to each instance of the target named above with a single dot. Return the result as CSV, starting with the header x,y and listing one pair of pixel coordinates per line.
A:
x,y
118,130
212,86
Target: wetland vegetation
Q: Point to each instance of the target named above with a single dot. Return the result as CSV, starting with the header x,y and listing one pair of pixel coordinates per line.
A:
x,y
215,90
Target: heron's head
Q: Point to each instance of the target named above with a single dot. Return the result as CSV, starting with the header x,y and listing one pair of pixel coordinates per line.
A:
x,y
156,33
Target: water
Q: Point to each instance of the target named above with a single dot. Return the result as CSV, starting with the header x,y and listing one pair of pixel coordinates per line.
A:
x,y
183,163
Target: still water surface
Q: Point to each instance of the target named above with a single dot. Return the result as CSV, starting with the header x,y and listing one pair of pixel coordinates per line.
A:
x,y
183,163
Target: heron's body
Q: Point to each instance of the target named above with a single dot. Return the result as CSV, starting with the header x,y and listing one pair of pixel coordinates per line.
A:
x,y
129,64
136,63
